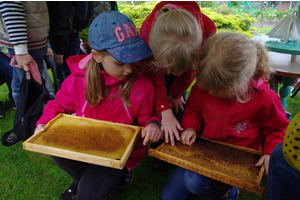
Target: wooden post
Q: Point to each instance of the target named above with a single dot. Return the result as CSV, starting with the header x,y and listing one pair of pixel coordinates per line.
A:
x,y
298,21
279,6
263,5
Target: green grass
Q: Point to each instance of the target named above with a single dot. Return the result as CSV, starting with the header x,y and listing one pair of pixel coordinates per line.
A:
x,y
32,176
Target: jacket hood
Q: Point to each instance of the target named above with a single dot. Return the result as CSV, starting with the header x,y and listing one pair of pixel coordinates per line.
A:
x,y
207,25
258,84
73,64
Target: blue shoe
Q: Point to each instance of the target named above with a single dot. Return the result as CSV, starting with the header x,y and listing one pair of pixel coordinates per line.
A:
x,y
232,194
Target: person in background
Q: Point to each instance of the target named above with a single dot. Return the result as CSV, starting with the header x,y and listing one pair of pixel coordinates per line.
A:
x,y
230,102
50,64
67,20
46,75
30,20
284,167
105,85
99,7
6,76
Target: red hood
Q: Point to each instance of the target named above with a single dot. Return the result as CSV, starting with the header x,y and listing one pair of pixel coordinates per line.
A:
x,y
207,25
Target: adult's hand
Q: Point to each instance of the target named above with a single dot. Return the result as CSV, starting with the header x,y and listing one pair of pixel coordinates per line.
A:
x,y
170,126
49,51
23,61
58,59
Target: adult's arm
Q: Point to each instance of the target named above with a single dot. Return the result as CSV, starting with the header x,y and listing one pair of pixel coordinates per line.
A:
x,y
13,16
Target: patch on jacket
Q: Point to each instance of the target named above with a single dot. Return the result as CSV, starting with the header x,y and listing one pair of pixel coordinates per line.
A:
x,y
240,127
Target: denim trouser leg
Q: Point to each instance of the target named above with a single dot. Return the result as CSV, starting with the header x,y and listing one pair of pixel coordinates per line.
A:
x,y
18,73
184,182
7,71
283,180
63,71
175,189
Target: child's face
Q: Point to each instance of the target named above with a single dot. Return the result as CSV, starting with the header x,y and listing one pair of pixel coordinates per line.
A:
x,y
114,68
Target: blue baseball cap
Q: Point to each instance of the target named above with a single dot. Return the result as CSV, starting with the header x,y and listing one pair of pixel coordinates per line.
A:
x,y
116,33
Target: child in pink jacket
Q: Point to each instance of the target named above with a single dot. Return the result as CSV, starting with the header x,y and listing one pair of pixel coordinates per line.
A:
x,y
230,102
104,85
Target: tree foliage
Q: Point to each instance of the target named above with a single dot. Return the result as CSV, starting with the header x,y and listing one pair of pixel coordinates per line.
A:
x,y
224,22
137,13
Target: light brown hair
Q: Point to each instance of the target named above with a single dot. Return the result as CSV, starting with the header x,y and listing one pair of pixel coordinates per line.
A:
x,y
229,61
175,40
96,90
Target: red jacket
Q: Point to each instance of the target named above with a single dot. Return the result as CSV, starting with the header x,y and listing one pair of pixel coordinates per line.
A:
x,y
182,82
71,99
245,124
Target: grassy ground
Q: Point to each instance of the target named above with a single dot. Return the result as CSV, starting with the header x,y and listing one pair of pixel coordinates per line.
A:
x,y
32,176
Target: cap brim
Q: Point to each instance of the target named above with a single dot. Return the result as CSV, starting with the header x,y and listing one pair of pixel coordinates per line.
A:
x,y
131,53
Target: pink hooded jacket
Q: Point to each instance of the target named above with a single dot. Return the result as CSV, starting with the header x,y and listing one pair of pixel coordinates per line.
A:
x,y
248,124
71,99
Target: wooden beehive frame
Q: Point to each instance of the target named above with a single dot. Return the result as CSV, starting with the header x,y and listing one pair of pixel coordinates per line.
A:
x,y
30,145
214,174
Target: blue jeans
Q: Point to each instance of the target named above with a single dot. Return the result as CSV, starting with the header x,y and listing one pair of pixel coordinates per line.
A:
x,y
7,71
19,74
184,183
283,180
63,71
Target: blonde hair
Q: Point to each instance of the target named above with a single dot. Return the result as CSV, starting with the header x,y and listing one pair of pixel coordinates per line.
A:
x,y
229,61
96,90
175,40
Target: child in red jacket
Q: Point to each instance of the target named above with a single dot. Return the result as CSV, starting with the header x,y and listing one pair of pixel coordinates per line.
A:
x,y
175,31
230,102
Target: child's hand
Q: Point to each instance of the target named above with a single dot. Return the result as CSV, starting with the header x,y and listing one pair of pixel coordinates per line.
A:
x,y
177,103
39,127
264,160
188,137
170,126
151,133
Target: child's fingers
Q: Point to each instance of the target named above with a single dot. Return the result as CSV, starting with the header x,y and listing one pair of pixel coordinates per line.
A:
x,y
172,139
145,142
143,133
39,128
259,162
176,133
179,127
192,140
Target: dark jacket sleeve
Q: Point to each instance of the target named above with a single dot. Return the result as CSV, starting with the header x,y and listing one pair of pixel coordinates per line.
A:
x,y
61,14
